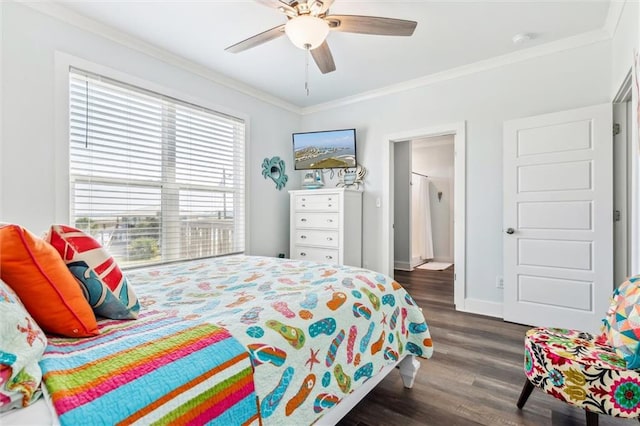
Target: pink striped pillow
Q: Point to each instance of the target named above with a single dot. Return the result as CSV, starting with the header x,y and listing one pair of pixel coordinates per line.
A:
x,y
103,283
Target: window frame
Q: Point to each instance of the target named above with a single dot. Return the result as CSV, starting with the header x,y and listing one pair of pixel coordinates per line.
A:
x,y
63,62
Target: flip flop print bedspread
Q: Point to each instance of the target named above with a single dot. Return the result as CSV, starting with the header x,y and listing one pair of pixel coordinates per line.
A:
x,y
315,332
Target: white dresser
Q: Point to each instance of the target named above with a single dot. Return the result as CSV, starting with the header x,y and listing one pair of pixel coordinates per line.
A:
x,y
326,226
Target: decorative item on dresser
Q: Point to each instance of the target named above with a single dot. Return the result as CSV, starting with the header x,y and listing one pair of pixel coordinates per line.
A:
x,y
313,179
326,226
351,177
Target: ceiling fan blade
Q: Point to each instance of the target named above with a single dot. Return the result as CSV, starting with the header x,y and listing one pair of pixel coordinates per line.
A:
x,y
323,58
371,25
257,39
282,5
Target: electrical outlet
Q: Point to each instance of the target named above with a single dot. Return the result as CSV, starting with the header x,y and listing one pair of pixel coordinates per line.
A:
x,y
499,282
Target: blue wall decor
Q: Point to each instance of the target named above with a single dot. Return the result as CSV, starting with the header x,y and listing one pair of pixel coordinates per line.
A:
x,y
274,169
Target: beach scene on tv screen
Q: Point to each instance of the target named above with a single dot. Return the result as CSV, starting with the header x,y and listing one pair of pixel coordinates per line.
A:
x,y
325,150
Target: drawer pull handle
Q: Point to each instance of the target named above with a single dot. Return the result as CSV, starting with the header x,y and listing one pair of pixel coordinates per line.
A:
x,y
304,199
329,257
329,205
330,220
303,254
303,220
329,239
303,237
330,198
304,205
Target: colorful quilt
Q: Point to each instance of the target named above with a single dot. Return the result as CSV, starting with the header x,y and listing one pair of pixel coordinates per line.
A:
x,y
315,332
159,369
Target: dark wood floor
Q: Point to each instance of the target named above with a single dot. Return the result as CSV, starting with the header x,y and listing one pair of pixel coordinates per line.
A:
x,y
474,377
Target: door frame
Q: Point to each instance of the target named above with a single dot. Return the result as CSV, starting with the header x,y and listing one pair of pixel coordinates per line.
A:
x,y
623,115
621,195
458,130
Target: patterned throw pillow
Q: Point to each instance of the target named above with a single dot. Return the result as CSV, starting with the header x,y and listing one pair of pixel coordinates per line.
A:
x,y
104,285
51,294
22,344
622,323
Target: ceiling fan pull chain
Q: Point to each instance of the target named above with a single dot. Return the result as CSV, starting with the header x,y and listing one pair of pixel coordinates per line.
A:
x,y
306,68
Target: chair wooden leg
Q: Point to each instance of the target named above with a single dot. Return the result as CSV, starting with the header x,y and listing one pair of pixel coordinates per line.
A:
x,y
592,418
526,391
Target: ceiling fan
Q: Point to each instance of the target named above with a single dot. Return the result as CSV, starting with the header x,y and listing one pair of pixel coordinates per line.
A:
x,y
308,25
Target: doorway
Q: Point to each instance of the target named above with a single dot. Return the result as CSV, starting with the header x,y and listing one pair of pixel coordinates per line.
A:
x,y
423,203
457,132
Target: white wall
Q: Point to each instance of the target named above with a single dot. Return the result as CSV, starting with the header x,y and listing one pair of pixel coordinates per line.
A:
x,y
624,41
555,82
1,97
563,80
29,191
435,160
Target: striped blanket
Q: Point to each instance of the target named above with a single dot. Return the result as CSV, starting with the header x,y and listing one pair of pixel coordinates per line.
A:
x,y
160,369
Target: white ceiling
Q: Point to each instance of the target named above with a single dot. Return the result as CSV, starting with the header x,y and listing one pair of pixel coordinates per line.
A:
x,y
449,34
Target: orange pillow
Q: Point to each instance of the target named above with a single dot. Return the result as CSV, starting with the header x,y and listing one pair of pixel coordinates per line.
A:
x,y
46,287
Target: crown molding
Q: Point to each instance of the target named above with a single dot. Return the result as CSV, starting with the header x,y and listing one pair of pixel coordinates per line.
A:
x,y
613,16
71,17
573,42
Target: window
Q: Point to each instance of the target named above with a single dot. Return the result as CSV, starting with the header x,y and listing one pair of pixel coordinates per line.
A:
x,y
153,179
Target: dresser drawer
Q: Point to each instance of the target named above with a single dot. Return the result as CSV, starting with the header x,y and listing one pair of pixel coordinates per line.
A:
x,y
315,254
325,202
317,238
317,220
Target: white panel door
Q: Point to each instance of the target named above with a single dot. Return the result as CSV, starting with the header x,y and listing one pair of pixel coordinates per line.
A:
x,y
558,218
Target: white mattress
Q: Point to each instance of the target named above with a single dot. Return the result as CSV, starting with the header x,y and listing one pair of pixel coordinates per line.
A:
x,y
41,413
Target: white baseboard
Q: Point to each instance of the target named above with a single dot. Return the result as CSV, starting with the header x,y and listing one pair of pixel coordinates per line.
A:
x,y
481,307
402,266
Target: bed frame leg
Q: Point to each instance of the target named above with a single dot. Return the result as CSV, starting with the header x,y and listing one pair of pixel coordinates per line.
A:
x,y
409,370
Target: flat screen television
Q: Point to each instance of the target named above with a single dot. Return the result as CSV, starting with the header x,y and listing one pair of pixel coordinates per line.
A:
x,y
329,149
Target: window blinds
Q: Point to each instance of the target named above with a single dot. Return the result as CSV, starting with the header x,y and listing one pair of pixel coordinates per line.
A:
x,y
153,179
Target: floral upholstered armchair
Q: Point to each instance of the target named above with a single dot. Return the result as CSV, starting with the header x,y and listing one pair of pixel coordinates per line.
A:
x,y
599,374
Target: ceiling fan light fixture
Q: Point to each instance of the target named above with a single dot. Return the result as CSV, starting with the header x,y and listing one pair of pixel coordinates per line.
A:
x,y
307,32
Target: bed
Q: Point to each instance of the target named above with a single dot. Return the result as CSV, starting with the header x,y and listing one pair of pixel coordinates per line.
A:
x,y
315,338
